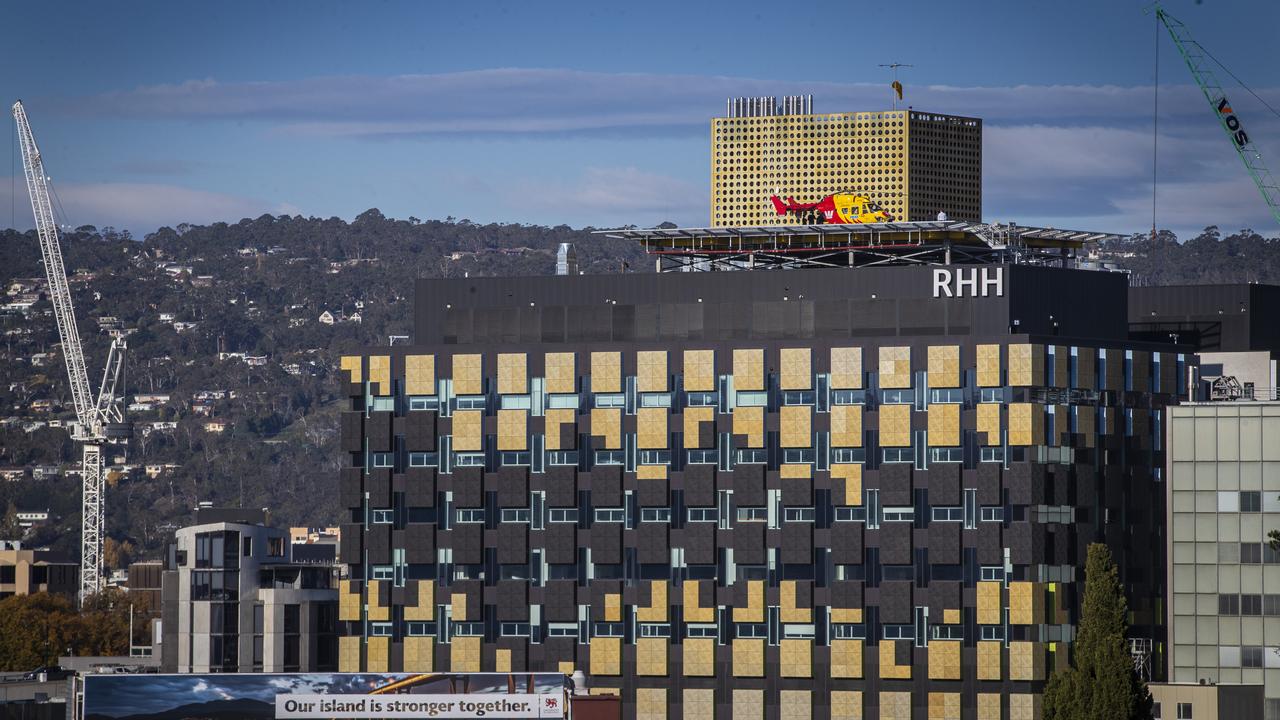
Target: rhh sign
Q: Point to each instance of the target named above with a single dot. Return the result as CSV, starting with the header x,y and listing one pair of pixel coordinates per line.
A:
x,y
968,282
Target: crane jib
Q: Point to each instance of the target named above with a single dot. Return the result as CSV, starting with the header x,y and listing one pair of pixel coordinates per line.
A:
x,y
1232,122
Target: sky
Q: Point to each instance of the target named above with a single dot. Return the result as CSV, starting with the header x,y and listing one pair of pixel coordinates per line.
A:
x,y
591,113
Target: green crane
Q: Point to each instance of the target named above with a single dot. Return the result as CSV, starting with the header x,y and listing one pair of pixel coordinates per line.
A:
x,y
1197,59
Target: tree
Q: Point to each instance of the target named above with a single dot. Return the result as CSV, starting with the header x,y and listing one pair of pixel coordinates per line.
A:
x,y
1101,683
36,629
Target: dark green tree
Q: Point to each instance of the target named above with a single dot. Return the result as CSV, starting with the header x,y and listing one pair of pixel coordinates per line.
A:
x,y
1101,683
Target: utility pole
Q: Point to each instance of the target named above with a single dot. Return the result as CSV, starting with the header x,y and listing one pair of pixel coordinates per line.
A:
x,y
897,87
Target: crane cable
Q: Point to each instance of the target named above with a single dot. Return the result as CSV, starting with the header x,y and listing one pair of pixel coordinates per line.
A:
x,y
1155,131
1248,89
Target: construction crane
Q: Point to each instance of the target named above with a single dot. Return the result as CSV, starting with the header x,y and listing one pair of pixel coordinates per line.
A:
x,y
1197,59
99,419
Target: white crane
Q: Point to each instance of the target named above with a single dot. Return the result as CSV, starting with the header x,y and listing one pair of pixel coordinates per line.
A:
x,y
99,420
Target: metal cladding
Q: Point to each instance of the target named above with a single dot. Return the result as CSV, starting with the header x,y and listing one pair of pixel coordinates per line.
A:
x,y
829,494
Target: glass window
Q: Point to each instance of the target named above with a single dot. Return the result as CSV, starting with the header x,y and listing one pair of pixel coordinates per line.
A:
x,y
515,402
751,630
754,398
898,514
1251,501
1250,604
514,629
850,514
471,515
1184,711
1251,553
610,400
704,457
752,457
948,514
951,396
564,515
798,397
991,395
607,629
991,514
655,514
655,399
899,632
1271,605
383,404
516,458
1251,656
707,630
845,631
662,630
898,397
383,517
562,457
383,459
424,459
702,399
1228,604
610,457
419,402
616,515
991,572
848,455
704,514
946,454
798,514
797,455
991,454
470,402
848,397
383,572
468,459
515,515
753,514
379,629
899,455
655,457
560,402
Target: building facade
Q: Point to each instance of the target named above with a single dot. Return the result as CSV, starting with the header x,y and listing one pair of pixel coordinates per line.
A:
x,y
235,600
25,572
914,164
842,493
1224,483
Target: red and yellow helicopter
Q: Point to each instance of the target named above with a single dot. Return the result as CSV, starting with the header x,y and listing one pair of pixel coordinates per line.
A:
x,y
840,208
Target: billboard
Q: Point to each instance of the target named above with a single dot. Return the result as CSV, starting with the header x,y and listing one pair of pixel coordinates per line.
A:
x,y
302,696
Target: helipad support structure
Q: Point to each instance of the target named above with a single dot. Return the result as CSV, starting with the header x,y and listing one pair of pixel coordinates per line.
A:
x,y
933,242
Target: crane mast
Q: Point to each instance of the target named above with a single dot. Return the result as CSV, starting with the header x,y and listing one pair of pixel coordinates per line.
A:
x,y
99,420
1197,59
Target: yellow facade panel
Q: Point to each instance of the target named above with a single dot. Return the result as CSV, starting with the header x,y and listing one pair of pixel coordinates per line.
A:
x,y
420,374
651,371
555,418
699,370
606,656
1026,365
613,607
951,616
989,660
693,417
699,657
380,374
989,366
606,423
513,430
748,369
889,668
755,609
349,601
795,369
846,368
353,366
846,426
895,705
749,422
651,472
989,605
419,653
379,601
846,482
1026,603
796,423
989,706
789,611
748,704
944,424
378,654
606,372
748,657
699,704
944,659
944,366
795,658
795,704
794,471
895,367
1025,706
468,430
944,706
651,656
1026,424
846,705
693,612
895,426
988,424
467,376
561,373
464,654
458,606
656,611
349,654
846,615
846,659
651,428
425,609
502,660
651,703
1026,660
513,374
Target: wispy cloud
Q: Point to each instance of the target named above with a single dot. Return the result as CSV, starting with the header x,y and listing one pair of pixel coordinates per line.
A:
x,y
608,196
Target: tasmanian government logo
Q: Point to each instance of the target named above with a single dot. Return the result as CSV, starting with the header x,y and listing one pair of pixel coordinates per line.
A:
x,y
968,282
1232,122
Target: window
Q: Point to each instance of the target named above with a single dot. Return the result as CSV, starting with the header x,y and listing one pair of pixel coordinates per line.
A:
x,y
275,547
379,629
946,454
797,456
952,396
991,454
655,514
1184,711
1251,656
899,455
471,402
1251,553
424,459
1228,552
562,515
851,514
991,514
802,631
753,514
514,629
616,515
1271,605
752,457
472,515
899,632
562,457
515,402
798,397
468,629
515,515
655,457
1250,604
383,572
468,459
694,631
1251,501
898,397
655,400
610,400
561,402
562,630
609,457
420,629
659,630
751,630
848,397
704,457
513,459
848,455
991,395
798,514
383,404
607,629
424,403
948,632
754,398
898,514
1228,604
948,514
843,631
382,459
383,517
702,399
991,572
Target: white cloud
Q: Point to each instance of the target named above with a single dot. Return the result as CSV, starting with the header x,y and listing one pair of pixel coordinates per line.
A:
x,y
612,196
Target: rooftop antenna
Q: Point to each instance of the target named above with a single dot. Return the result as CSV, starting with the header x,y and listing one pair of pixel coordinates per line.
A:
x,y
897,86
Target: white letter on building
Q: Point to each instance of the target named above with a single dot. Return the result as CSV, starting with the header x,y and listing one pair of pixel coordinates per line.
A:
x,y
997,281
971,282
941,282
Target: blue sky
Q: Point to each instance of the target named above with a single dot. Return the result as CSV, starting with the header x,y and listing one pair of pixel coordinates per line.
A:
x,y
580,113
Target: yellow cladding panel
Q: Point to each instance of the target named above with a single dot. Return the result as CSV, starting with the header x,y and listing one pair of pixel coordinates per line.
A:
x,y
951,616
420,374
651,428
607,423
846,426
700,370
380,374
1026,365
944,706
458,606
790,612
1026,603
560,373
748,369
467,375
748,657
651,703
348,602
1026,661
352,365
464,654
846,480
699,657
699,704
468,430
944,366
795,472
606,372
651,371
895,426
889,668
846,368
1024,706
349,654
554,419
1026,424
693,612
513,431
895,706
656,612
944,424
795,704
796,422
989,706
606,656
846,659
565,667
754,611
846,704
988,424
425,610
748,704
502,660
989,609
651,472
379,609
989,660
846,615
613,607
895,367
989,366
749,422
419,654
651,656
944,659
513,374
378,654
795,369
692,417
